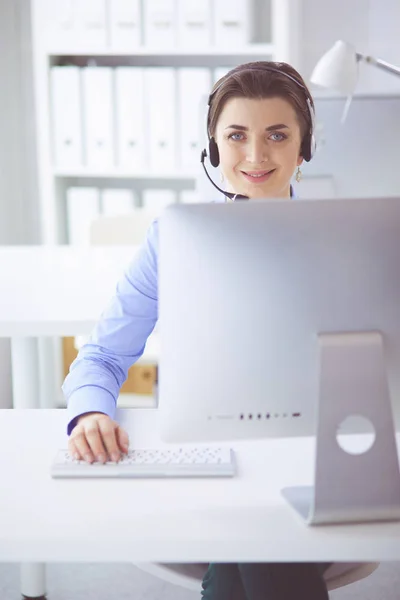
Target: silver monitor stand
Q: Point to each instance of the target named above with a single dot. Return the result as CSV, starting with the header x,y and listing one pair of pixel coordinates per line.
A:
x,y
351,487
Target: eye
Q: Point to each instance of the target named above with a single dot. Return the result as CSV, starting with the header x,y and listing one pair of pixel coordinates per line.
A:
x,y
236,137
280,136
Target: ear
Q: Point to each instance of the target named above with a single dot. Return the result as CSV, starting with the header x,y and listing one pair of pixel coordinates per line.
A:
x,y
300,160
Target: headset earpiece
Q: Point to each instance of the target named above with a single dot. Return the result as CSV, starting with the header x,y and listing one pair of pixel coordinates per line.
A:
x,y
306,148
213,152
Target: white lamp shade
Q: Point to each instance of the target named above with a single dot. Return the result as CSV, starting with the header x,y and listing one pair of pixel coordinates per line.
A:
x,y
337,69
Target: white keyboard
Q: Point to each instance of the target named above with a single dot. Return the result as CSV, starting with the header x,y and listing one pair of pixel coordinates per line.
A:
x,y
179,462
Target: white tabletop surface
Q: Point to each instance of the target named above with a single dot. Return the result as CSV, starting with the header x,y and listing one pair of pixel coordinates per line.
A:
x,y
165,520
57,290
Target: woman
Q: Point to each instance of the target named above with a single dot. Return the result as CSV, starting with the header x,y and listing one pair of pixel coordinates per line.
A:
x,y
260,128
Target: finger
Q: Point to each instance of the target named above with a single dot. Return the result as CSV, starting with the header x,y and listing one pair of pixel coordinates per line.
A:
x,y
122,439
94,437
72,450
78,437
108,433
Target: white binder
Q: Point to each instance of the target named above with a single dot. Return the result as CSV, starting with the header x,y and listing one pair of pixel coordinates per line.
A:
x,y
66,116
130,119
60,23
155,201
189,197
82,204
117,202
161,117
194,23
91,23
125,24
193,85
98,116
160,23
231,23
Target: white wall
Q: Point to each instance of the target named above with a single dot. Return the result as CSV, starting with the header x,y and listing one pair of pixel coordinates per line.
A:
x,y
384,41
372,26
18,198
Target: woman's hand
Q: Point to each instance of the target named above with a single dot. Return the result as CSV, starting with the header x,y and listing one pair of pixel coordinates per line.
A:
x,y
96,437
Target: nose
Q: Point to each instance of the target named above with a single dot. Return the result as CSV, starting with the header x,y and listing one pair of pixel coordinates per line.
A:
x,y
256,151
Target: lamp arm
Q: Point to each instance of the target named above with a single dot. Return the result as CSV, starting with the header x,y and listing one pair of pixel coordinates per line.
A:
x,y
377,62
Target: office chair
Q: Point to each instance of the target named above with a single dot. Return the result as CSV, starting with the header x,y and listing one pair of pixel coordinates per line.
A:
x,y
190,576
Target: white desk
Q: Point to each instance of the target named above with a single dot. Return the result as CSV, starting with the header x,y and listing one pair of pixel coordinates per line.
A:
x,y
52,291
239,519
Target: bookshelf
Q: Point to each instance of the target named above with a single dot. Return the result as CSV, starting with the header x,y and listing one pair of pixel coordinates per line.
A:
x,y
274,33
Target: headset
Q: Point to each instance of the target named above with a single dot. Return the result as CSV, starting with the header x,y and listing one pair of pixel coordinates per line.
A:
x,y
308,146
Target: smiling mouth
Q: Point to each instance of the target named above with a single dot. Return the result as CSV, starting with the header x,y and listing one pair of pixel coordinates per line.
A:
x,y
257,175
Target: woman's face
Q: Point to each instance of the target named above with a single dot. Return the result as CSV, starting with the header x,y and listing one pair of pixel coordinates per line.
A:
x,y
259,146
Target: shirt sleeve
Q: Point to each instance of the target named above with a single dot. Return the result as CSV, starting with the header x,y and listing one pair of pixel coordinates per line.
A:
x,y
119,338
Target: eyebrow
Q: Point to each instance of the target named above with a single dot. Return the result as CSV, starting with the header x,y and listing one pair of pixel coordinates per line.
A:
x,y
270,128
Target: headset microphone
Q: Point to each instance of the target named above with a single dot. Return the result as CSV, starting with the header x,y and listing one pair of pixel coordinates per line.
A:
x,y
230,195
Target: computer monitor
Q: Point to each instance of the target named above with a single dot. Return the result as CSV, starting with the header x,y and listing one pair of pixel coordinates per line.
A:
x,y
276,317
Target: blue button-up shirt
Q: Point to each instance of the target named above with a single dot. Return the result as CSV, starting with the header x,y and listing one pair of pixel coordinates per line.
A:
x,y
119,338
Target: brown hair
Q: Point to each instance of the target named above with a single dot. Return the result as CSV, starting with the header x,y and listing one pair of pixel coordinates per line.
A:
x,y
264,79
